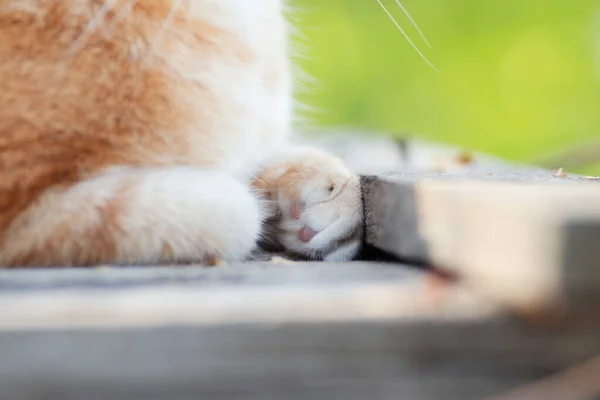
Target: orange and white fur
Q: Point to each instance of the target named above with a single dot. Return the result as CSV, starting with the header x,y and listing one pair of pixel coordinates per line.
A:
x,y
155,131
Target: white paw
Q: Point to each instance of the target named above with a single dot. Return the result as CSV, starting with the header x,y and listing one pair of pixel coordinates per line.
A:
x,y
321,209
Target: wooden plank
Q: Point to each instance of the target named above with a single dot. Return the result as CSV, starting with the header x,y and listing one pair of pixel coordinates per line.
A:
x,y
576,383
527,241
236,275
235,294
327,359
374,153
306,331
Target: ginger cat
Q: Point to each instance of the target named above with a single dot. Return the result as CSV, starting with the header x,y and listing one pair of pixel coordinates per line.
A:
x,y
156,131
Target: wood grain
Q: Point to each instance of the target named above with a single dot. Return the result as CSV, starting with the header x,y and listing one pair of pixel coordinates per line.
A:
x,y
526,241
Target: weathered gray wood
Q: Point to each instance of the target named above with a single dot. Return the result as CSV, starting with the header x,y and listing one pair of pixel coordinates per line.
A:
x,y
242,275
264,331
234,294
522,239
353,360
372,153
576,383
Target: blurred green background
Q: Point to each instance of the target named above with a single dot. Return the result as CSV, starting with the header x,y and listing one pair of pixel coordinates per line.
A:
x,y
519,78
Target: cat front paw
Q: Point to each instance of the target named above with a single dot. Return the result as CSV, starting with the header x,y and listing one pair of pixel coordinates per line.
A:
x,y
319,206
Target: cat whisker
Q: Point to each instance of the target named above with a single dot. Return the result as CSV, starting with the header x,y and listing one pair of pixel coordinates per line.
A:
x,y
413,45
123,13
91,28
188,7
412,21
79,41
166,25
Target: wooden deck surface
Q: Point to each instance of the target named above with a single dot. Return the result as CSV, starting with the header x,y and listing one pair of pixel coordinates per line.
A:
x,y
520,310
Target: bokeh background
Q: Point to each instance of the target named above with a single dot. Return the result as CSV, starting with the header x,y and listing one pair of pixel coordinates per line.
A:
x,y
518,78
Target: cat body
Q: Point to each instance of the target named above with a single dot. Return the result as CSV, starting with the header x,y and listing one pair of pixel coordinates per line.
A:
x,y
153,131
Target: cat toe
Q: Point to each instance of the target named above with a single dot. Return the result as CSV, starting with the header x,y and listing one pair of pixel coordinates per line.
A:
x,y
326,229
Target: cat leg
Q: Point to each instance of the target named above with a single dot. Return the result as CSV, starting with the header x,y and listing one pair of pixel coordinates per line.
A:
x,y
137,216
319,204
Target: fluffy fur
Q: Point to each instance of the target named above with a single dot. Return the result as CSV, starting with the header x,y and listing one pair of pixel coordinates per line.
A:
x,y
152,131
